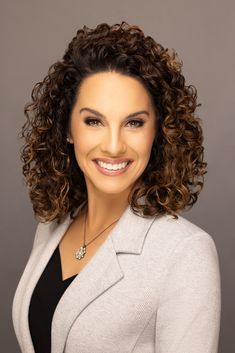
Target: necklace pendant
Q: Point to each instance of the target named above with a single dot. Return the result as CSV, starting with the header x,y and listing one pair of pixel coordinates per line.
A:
x,y
80,253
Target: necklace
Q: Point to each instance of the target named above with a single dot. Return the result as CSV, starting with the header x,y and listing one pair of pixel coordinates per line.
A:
x,y
80,253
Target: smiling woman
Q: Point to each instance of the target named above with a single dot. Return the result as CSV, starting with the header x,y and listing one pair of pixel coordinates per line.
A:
x,y
123,71
113,152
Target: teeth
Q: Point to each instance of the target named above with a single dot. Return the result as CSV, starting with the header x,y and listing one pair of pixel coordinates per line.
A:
x,y
110,166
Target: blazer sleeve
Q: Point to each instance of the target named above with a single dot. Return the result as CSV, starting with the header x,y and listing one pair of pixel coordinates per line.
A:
x,y
188,315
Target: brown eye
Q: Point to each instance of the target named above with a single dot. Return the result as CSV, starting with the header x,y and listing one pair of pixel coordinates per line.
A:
x,y
92,121
136,123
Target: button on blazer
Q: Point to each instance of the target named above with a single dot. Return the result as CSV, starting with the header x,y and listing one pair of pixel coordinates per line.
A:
x,y
153,286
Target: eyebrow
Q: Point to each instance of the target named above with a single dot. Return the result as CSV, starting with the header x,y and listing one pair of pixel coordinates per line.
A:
x,y
102,116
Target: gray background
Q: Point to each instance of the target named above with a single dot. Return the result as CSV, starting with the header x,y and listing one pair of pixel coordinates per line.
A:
x,y
34,34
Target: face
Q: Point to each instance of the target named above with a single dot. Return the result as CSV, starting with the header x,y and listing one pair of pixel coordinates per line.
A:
x,y
112,128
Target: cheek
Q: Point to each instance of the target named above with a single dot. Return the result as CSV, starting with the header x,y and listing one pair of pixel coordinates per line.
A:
x,y
142,144
85,144
83,141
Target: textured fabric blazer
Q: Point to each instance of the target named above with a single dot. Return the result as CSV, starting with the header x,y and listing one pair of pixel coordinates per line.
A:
x,y
153,286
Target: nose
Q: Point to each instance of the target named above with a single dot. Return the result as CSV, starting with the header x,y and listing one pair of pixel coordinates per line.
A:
x,y
113,143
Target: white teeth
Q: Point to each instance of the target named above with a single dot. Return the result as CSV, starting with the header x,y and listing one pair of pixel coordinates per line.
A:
x,y
110,166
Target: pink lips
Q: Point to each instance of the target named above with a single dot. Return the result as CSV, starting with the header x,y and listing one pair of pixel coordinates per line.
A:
x,y
112,172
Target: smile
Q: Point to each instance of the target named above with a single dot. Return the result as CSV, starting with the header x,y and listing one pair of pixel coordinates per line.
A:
x,y
112,168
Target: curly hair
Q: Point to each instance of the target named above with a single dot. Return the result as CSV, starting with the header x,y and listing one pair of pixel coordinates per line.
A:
x,y
175,172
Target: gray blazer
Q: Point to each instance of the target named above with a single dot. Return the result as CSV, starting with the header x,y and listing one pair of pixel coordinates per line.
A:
x,y
152,287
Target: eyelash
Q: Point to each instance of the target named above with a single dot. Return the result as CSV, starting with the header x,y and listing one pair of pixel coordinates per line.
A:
x,y
89,120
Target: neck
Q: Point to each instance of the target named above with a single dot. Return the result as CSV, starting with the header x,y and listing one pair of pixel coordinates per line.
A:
x,y
101,212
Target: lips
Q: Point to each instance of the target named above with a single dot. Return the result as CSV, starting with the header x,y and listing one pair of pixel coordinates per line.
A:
x,y
112,172
113,161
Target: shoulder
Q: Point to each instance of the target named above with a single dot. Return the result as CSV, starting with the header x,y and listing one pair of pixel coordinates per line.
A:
x,y
46,230
183,255
169,236
181,227
176,230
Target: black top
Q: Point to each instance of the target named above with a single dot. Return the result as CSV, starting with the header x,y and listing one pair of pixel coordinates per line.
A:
x,y
45,298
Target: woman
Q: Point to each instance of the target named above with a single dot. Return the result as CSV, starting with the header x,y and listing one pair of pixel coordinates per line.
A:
x,y
113,152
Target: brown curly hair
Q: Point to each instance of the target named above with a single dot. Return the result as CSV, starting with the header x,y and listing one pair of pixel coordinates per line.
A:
x,y
173,177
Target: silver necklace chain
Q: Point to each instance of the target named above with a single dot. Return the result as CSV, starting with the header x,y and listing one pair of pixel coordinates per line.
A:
x,y
80,252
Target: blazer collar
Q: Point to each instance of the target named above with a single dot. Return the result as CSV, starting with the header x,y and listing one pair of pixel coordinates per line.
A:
x,y
100,273
128,234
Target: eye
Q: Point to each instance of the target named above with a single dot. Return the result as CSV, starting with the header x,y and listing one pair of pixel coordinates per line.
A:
x,y
136,123
92,121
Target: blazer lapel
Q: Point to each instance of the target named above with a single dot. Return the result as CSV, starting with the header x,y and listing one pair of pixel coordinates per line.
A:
x,y
100,273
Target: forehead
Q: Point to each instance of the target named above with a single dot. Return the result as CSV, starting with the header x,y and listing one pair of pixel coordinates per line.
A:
x,y
113,90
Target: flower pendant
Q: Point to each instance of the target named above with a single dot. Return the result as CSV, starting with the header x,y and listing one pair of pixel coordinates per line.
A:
x,y
80,253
